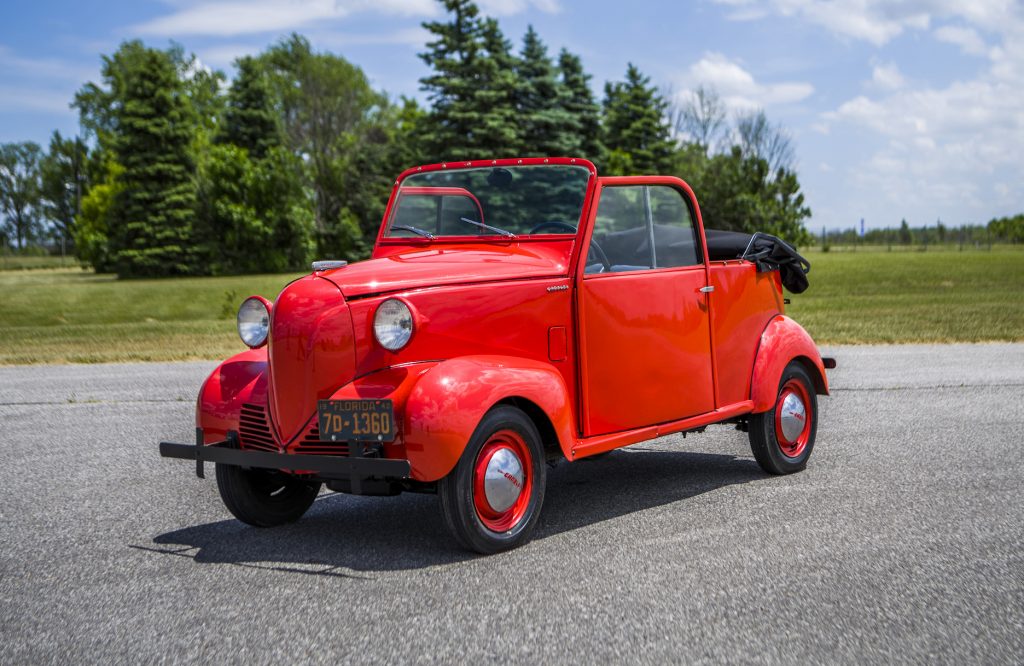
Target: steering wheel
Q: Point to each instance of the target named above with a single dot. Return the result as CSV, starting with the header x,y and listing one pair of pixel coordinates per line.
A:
x,y
606,266
555,224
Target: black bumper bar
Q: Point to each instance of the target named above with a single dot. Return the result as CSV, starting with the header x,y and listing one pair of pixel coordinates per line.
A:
x,y
227,453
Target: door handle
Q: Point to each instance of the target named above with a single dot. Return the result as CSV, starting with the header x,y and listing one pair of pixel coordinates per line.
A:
x,y
706,290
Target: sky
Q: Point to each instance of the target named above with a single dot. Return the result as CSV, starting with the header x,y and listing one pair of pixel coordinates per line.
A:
x,y
905,109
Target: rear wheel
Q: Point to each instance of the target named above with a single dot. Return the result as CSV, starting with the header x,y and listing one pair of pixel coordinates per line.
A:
x,y
491,501
263,497
783,437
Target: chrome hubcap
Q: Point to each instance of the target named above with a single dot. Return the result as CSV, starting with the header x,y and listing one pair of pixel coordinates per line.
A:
x,y
793,416
503,480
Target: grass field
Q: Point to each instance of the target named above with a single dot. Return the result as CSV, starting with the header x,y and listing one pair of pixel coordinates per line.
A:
x,y
12,263
876,296
75,316
873,296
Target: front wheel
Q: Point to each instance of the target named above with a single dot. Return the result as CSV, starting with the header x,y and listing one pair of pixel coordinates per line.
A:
x,y
263,497
783,437
491,501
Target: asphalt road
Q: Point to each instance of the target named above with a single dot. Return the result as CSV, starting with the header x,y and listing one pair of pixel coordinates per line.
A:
x,y
902,541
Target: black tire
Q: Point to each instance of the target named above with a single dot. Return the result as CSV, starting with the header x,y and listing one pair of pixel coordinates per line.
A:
x,y
459,500
773,451
262,497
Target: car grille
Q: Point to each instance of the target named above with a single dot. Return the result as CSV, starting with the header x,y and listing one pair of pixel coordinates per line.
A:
x,y
254,431
311,444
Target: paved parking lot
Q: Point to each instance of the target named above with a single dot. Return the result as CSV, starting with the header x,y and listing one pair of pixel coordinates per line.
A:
x,y
902,541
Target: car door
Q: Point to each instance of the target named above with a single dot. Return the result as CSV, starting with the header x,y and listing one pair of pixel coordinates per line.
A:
x,y
644,324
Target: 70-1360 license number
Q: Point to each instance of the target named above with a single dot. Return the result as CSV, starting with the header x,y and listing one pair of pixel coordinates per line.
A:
x,y
356,420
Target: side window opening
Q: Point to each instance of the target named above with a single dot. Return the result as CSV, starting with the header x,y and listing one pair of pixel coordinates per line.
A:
x,y
642,227
675,235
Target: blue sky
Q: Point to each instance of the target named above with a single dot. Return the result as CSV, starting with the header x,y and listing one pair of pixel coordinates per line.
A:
x,y
910,109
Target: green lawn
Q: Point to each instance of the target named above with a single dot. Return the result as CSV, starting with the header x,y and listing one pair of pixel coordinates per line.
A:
x,y
868,296
13,263
876,296
75,316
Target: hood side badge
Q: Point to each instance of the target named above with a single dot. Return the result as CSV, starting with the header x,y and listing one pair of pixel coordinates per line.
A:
x,y
327,265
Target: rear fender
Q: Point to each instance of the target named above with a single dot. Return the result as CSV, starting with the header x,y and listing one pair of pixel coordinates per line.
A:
x,y
240,379
783,341
448,402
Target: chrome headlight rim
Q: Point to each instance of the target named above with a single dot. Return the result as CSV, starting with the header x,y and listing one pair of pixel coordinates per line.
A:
x,y
253,321
394,324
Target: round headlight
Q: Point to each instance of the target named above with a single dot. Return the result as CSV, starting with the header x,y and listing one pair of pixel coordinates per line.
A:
x,y
392,325
254,322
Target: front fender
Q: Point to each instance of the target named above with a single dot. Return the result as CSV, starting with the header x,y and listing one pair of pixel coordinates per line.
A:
x,y
240,379
448,402
782,341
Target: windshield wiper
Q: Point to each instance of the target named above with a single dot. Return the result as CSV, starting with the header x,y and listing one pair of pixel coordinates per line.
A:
x,y
415,230
500,232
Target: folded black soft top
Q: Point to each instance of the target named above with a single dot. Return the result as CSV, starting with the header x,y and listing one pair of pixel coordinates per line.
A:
x,y
767,251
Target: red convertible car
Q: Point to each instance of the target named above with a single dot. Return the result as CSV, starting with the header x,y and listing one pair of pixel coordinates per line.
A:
x,y
514,313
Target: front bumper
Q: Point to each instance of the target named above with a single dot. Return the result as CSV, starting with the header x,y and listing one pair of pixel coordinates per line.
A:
x,y
353,468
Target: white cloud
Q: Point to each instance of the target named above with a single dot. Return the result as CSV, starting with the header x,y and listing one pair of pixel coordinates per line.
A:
x,y
260,16
879,21
512,7
946,147
228,18
887,77
738,87
967,39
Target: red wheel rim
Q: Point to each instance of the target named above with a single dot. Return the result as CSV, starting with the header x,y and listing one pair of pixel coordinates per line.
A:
x,y
793,417
505,480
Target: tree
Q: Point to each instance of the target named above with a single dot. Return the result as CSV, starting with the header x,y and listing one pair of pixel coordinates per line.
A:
x,y
454,57
63,184
151,214
905,236
258,215
325,101
498,131
92,226
737,193
701,118
636,132
20,190
1008,228
580,104
250,120
381,149
548,128
759,138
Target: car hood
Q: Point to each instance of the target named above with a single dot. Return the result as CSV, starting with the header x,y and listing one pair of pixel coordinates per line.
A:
x,y
444,266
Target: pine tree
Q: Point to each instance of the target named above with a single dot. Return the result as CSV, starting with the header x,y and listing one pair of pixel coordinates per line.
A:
x,y
454,56
498,133
548,127
636,132
580,104
250,121
151,217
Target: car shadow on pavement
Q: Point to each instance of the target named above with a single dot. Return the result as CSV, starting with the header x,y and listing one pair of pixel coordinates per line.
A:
x,y
344,535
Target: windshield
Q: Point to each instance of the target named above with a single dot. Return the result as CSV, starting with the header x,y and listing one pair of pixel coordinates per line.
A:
x,y
493,201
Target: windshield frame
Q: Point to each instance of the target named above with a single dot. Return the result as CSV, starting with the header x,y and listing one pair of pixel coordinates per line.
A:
x,y
476,238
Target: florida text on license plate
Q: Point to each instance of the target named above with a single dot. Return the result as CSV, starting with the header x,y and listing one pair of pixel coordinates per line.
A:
x,y
356,420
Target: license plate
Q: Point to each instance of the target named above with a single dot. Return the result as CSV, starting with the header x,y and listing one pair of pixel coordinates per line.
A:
x,y
356,420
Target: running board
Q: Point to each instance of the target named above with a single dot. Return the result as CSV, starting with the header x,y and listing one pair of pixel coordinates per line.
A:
x,y
590,446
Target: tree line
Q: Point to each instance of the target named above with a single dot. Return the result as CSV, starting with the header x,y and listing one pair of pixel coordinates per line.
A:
x,y
181,172
999,230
